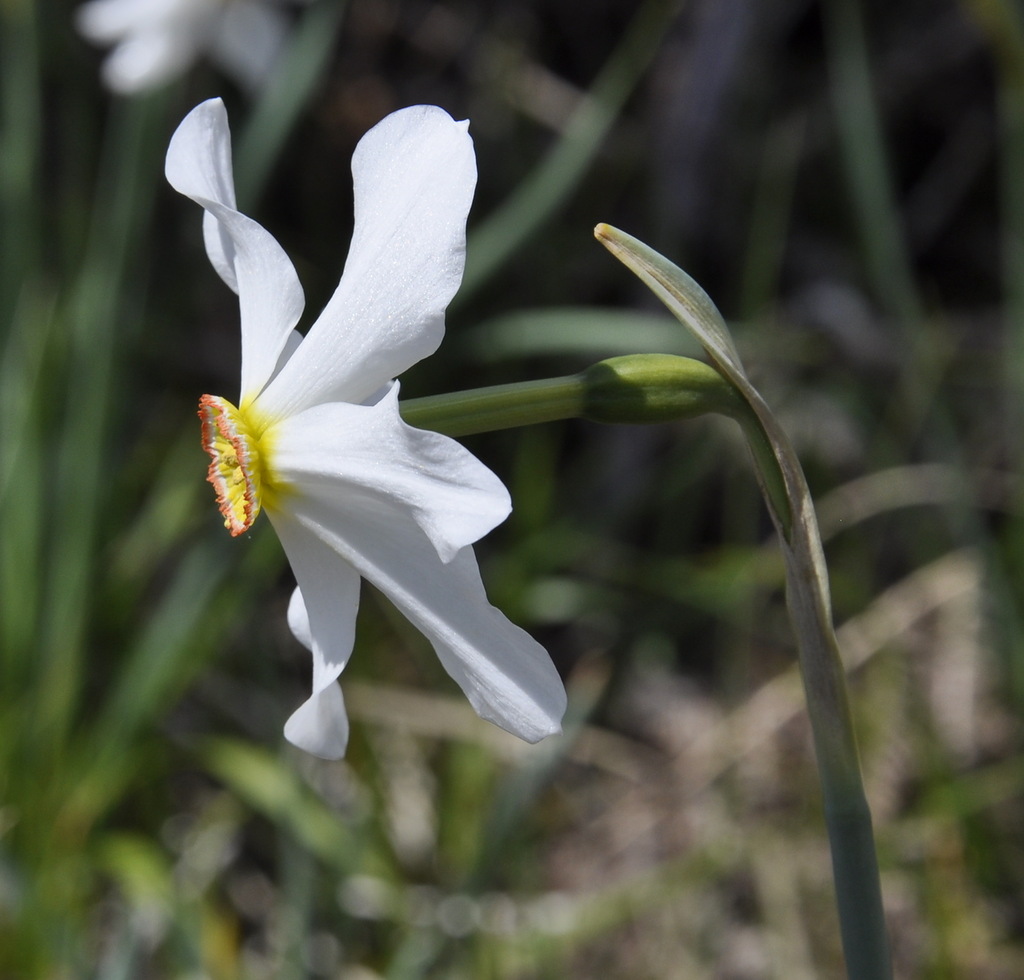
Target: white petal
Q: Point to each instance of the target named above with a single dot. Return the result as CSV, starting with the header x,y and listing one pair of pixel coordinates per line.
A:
x,y
320,726
322,616
329,592
199,166
358,457
160,38
219,248
105,21
146,60
507,676
291,345
248,41
414,173
298,619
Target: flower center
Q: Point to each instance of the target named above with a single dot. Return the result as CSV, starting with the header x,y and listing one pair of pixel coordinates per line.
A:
x,y
236,469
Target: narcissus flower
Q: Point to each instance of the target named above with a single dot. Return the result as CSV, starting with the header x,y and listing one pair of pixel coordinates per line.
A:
x,y
316,439
155,40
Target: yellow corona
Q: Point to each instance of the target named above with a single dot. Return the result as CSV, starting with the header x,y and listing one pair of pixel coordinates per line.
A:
x,y
236,464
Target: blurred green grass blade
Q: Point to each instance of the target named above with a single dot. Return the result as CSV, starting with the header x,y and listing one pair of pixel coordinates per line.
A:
x,y
501,234
865,157
565,330
176,495
271,787
26,317
273,118
169,650
24,464
144,876
129,174
964,795
1003,23
522,786
20,149
295,929
23,386
420,951
931,357
21,576
773,197
193,617
140,866
213,585
884,244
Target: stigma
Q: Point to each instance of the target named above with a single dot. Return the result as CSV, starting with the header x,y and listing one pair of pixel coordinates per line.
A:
x,y
235,464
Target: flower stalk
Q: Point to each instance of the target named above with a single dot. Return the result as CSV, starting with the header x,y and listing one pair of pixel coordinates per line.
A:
x,y
632,389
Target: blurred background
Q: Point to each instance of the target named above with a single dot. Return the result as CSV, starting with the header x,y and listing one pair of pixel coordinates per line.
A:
x,y
846,179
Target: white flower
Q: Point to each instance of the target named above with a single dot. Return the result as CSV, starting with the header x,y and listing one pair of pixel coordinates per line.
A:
x,y
350,488
156,40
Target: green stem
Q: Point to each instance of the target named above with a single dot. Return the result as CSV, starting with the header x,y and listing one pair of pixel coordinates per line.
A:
x,y
766,466
634,389
847,816
464,413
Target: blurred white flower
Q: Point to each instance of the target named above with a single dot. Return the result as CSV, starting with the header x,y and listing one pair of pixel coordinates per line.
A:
x,y
317,438
155,40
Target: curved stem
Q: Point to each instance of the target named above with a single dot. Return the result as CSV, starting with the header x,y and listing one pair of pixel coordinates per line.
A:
x,y
847,816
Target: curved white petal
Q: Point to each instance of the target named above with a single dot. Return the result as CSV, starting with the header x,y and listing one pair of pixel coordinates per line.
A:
x,y
507,676
322,616
414,173
199,166
298,619
360,457
329,592
291,345
219,248
319,725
